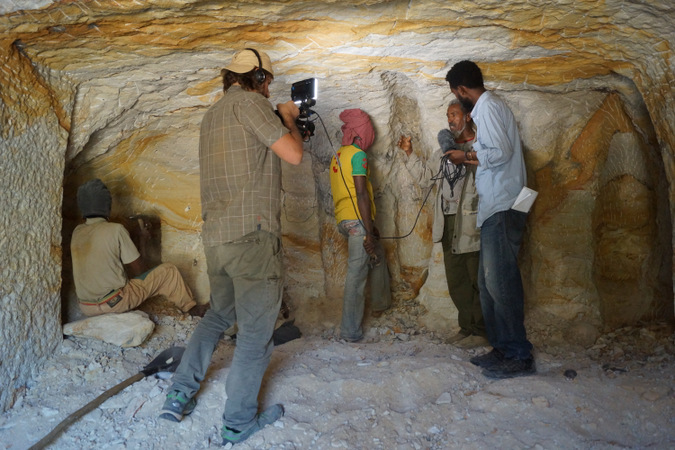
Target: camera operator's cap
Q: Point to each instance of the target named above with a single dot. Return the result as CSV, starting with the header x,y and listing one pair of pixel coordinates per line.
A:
x,y
245,60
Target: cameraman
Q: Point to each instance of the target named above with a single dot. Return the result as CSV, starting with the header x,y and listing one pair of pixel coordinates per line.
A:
x,y
455,224
241,145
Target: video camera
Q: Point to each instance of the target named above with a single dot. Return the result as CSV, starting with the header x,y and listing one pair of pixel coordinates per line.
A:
x,y
304,94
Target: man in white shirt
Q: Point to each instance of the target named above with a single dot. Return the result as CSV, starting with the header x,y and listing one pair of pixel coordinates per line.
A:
x,y
500,177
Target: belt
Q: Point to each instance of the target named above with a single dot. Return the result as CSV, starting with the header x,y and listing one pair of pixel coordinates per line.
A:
x,y
113,296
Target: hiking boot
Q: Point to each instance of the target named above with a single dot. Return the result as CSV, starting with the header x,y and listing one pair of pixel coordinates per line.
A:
x,y
457,337
473,341
199,310
377,314
488,360
510,368
269,416
176,406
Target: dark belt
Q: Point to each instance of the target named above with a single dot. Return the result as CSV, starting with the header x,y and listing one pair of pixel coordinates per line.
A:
x,y
111,298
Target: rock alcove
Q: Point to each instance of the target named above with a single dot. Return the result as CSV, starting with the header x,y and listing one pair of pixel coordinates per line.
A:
x,y
117,89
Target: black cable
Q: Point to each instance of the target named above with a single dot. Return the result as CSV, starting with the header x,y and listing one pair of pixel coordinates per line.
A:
x,y
452,173
426,197
337,159
455,176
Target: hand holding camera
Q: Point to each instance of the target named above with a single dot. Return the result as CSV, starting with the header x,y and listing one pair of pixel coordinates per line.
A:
x,y
288,111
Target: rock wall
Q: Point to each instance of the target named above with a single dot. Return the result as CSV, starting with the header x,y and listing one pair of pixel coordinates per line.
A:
x,y
34,135
117,89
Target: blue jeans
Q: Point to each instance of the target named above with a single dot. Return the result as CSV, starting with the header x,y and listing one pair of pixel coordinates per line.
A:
x,y
246,288
358,266
500,285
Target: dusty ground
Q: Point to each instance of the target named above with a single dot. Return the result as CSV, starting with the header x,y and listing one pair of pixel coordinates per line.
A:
x,y
405,390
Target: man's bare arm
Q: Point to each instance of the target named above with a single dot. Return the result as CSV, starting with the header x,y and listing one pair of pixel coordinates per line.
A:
x,y
289,146
136,267
363,203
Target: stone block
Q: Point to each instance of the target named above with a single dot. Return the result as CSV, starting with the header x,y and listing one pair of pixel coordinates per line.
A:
x,y
128,329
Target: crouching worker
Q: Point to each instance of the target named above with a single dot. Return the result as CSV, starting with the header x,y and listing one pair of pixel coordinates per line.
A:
x,y
100,251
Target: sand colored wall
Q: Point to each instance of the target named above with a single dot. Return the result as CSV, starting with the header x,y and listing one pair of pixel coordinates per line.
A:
x,y
117,89
33,142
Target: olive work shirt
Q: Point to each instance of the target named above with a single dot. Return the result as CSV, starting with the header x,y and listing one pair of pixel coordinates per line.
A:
x,y
99,250
240,176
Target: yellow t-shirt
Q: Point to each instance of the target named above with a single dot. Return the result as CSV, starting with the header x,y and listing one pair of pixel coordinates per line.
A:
x,y
353,162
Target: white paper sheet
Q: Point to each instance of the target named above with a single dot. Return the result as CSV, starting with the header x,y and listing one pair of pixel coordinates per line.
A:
x,y
525,200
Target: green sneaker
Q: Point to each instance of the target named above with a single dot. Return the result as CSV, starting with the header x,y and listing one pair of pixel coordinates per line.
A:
x,y
269,416
176,406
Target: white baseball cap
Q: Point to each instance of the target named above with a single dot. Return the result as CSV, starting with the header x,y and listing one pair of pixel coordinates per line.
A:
x,y
246,60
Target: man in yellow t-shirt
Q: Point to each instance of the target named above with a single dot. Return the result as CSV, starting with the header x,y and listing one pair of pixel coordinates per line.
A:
x,y
355,215
353,161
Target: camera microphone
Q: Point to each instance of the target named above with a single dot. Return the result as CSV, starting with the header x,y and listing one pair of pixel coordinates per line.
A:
x,y
446,140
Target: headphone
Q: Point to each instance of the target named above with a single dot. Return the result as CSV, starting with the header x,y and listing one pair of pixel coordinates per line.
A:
x,y
259,73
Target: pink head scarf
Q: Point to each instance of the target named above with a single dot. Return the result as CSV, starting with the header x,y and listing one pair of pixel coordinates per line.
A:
x,y
357,125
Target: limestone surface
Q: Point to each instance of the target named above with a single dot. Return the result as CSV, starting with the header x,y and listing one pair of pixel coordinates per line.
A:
x,y
128,329
116,89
